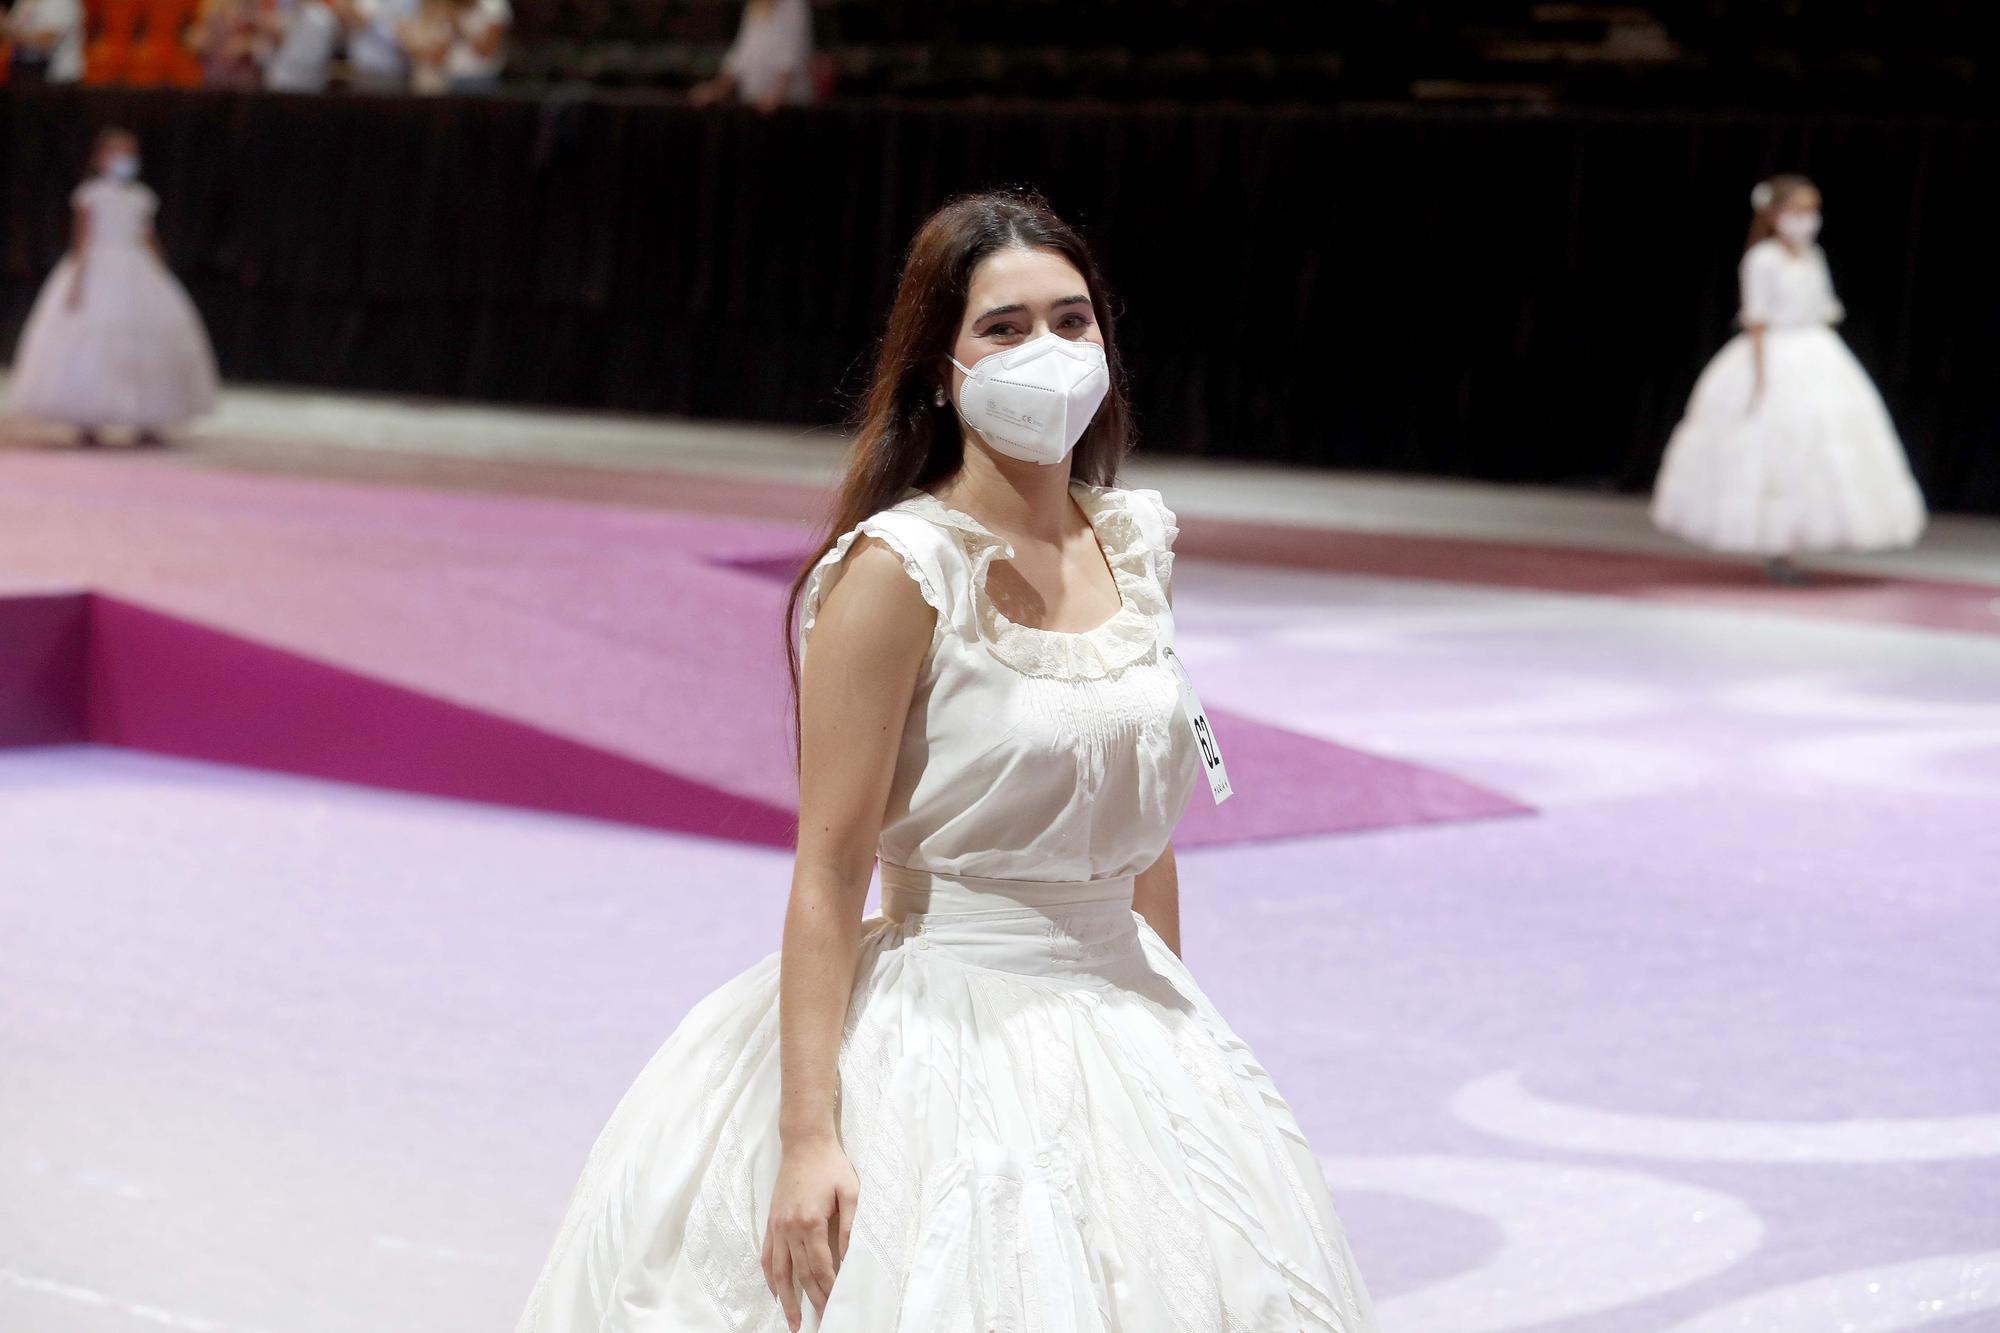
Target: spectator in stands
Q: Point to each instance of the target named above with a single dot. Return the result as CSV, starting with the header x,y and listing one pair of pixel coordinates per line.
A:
x,y
307,34
478,50
47,41
770,62
426,42
376,60
458,46
230,37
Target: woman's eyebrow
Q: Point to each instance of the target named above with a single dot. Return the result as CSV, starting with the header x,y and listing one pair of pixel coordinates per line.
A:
x,y
1018,308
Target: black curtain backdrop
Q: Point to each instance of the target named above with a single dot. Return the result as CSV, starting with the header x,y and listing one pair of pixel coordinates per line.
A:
x,y
1520,296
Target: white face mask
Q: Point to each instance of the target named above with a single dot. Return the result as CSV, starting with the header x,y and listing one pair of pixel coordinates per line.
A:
x,y
122,167
1033,402
1798,228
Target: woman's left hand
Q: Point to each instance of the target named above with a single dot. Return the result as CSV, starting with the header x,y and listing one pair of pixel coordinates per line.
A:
x,y
812,1215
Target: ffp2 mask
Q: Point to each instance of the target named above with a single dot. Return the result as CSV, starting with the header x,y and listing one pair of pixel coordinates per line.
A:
x,y
1034,401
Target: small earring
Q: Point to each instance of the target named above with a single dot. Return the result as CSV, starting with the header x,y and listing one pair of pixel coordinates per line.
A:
x,y
938,397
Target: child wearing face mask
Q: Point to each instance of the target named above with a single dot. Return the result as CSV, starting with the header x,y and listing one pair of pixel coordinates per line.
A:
x,y
1786,446
112,339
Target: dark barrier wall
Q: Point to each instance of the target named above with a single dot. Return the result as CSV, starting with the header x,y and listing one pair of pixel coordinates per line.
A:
x,y
1477,293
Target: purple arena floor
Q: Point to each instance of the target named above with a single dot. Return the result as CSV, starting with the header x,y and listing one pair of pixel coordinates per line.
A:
x,y
1702,1037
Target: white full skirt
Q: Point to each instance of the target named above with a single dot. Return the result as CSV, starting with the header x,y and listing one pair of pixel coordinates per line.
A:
x,y
132,353
1815,465
1053,1130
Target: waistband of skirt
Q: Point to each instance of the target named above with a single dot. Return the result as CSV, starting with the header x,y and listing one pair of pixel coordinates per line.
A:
x,y
908,892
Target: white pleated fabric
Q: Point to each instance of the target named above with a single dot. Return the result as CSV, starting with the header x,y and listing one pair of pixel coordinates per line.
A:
x,y
1053,1129
1814,463
133,351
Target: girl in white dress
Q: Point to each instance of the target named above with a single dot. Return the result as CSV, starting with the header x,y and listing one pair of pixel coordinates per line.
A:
x,y
770,62
1786,446
1003,1103
112,339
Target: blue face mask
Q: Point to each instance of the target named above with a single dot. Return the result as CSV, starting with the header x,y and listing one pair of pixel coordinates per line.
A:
x,y
122,167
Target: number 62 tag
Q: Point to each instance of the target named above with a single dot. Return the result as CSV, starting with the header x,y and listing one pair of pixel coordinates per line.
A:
x,y
1209,752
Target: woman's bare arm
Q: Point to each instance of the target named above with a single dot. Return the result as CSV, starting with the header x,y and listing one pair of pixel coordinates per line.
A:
x,y
868,644
79,250
1757,281
1156,895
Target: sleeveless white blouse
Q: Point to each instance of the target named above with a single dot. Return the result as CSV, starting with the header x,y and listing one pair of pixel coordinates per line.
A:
x,y
1781,290
1029,753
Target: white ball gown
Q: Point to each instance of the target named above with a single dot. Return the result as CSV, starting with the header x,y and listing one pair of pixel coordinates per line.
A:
x,y
1053,1129
1812,465
133,352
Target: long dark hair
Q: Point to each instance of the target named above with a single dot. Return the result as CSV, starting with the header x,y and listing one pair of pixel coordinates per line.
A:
x,y
1776,193
902,437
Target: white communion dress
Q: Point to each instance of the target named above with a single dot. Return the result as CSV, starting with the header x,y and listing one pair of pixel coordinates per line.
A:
x,y
1813,464
133,352
1053,1129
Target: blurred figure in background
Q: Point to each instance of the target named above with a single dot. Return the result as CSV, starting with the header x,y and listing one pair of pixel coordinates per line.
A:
x,y
426,41
112,340
1786,445
457,46
230,38
478,49
47,41
376,60
307,32
770,62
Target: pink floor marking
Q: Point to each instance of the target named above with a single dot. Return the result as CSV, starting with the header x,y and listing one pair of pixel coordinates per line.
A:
x,y
162,684
626,634
43,648
1715,582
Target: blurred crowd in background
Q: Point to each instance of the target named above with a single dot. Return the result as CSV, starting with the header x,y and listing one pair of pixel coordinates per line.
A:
x,y
1833,55
381,46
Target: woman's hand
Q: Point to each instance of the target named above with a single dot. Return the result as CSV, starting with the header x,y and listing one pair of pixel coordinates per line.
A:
x,y
812,1215
775,97
710,92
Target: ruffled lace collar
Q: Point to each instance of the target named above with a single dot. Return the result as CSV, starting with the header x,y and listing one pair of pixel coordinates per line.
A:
x,y
1125,638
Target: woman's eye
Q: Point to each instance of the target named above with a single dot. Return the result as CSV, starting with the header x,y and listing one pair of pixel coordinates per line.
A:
x,y
1001,331
1074,321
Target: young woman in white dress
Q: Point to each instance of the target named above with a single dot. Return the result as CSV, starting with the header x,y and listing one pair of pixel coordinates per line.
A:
x,y
112,339
1786,446
1003,1103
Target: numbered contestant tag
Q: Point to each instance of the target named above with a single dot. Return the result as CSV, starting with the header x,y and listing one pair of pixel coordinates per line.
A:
x,y
1204,736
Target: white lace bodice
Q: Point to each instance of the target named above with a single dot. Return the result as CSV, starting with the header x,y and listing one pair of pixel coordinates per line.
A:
x,y
1782,290
121,213
1030,753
